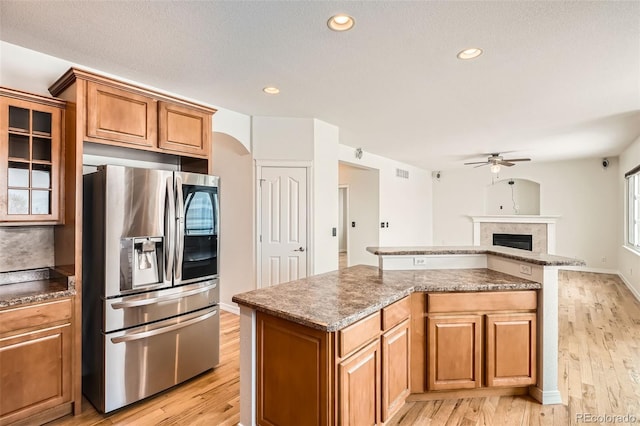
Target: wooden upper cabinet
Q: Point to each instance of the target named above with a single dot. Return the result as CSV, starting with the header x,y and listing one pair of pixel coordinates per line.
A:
x,y
126,115
31,161
120,116
183,130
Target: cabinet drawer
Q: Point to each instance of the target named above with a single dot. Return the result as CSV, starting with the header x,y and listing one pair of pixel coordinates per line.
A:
x,y
395,313
473,302
358,334
35,315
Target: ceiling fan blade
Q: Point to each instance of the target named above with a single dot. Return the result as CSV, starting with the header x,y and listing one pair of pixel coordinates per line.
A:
x,y
513,160
477,162
505,163
483,164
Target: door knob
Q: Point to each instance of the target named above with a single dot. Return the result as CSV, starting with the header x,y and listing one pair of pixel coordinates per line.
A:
x,y
299,249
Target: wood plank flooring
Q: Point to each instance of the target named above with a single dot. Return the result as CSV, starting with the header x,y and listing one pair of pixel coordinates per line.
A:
x,y
599,365
599,370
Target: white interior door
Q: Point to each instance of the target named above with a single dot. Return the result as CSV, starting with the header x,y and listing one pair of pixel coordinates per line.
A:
x,y
283,220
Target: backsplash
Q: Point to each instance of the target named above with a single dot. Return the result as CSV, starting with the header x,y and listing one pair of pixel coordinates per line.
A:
x,y
26,247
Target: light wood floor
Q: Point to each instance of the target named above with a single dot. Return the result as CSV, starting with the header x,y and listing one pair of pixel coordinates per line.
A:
x,y
599,373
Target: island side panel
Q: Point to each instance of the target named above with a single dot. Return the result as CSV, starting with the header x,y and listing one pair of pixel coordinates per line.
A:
x,y
546,391
247,366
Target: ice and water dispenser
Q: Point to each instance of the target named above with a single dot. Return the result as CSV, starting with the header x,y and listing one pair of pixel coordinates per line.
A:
x,y
141,262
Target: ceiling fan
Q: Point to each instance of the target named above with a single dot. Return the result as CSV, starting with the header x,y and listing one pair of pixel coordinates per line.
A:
x,y
496,160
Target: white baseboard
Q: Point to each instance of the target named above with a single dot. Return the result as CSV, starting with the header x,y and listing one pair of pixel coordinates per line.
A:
x,y
234,309
635,292
545,397
588,269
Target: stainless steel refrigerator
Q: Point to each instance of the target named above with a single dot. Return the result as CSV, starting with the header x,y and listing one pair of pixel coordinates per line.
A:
x,y
150,282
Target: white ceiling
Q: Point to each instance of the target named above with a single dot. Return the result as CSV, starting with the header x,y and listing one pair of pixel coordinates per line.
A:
x,y
557,80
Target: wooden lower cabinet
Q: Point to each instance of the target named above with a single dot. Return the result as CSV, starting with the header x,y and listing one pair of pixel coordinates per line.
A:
x,y
35,363
396,370
511,349
359,387
454,352
359,375
294,365
494,346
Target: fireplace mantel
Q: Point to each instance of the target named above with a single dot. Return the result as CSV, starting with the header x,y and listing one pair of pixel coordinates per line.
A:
x,y
548,220
516,218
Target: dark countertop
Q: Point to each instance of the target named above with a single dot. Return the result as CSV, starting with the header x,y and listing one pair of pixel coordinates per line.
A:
x,y
506,252
35,285
333,300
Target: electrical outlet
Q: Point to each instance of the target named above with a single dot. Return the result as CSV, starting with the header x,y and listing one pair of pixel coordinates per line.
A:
x,y
604,260
525,269
419,261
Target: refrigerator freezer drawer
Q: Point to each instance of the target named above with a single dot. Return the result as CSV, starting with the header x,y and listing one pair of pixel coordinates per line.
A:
x,y
129,311
145,360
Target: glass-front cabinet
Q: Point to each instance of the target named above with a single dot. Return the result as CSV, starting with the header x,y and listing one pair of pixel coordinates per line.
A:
x,y
30,157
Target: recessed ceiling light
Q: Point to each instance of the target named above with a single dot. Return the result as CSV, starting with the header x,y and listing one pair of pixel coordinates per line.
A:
x,y
341,22
270,90
471,53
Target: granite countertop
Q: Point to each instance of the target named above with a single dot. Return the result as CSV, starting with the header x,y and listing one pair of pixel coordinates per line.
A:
x,y
35,285
333,300
506,252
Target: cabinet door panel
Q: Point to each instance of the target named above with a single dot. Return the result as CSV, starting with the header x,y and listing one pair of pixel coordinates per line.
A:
x,y
183,129
359,387
121,116
511,349
292,373
31,168
454,351
395,369
36,372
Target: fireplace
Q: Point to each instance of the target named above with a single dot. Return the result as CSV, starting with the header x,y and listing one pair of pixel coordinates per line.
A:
x,y
541,228
519,241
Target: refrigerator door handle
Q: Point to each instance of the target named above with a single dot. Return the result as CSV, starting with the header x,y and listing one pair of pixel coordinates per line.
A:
x,y
180,223
143,302
162,330
170,229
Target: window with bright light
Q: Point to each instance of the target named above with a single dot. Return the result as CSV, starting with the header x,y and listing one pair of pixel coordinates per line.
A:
x,y
633,211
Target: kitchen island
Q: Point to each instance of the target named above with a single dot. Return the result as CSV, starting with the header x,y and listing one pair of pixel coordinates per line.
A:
x,y
356,343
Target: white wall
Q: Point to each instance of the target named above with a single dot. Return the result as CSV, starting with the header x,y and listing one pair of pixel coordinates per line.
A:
x,y
281,138
629,262
581,191
233,163
325,197
404,203
364,210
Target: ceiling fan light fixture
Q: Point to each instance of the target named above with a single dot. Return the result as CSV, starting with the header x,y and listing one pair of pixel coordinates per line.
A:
x,y
495,168
470,53
341,22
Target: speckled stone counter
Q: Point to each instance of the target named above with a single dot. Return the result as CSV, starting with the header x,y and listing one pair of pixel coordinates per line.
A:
x,y
34,285
336,299
506,252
